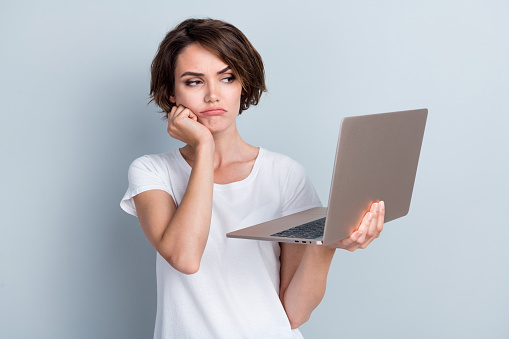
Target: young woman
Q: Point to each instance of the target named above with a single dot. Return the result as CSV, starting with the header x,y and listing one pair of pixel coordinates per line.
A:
x,y
204,75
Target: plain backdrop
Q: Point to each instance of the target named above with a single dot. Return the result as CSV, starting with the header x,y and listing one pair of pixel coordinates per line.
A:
x,y
74,82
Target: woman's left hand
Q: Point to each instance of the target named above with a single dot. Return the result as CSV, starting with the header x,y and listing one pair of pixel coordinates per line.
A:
x,y
369,230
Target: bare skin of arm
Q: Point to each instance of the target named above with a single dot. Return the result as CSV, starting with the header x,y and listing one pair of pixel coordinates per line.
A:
x,y
180,234
304,268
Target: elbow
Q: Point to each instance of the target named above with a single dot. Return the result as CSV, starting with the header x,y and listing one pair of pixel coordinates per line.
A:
x,y
296,316
297,321
187,268
183,263
297,313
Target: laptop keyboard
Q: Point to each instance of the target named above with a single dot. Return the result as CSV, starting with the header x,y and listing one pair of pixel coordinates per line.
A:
x,y
310,230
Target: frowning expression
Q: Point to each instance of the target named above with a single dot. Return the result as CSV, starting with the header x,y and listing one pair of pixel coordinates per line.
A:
x,y
207,86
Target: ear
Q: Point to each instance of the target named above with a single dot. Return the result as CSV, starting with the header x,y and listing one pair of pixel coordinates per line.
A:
x,y
172,99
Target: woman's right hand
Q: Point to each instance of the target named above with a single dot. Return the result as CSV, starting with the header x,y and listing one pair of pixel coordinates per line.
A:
x,y
183,125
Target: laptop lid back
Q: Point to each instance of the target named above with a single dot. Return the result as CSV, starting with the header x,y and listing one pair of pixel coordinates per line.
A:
x,y
376,159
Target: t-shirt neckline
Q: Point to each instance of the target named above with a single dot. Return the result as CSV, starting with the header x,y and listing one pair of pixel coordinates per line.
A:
x,y
236,184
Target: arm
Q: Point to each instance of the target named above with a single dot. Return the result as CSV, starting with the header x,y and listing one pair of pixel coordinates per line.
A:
x,y
304,268
180,234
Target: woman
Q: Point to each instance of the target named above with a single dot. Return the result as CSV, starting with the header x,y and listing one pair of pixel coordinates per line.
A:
x,y
204,75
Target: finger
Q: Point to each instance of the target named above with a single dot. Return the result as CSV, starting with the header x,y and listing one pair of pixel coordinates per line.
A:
x,y
352,239
186,113
379,224
353,247
181,111
367,242
364,227
374,222
381,218
193,116
363,246
171,117
371,232
173,112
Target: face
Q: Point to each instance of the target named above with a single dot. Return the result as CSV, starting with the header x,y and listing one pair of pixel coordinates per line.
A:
x,y
207,86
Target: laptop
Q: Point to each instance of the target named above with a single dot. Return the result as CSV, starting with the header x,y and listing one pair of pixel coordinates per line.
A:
x,y
376,159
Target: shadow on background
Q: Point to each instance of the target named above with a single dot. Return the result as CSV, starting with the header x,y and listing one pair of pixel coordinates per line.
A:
x,y
109,264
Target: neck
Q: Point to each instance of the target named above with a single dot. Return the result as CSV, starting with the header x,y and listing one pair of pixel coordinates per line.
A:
x,y
229,147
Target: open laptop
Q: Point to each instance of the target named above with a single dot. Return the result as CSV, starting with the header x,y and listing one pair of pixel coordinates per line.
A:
x,y
376,159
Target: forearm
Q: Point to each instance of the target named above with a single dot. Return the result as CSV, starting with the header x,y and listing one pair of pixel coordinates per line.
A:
x,y
307,287
186,235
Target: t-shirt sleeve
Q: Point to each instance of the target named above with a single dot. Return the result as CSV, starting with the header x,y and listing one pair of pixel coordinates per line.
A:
x,y
143,176
299,193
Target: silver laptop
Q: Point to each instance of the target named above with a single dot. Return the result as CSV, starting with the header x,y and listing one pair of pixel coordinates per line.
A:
x,y
376,159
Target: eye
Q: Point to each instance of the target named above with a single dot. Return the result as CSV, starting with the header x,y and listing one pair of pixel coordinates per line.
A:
x,y
229,79
192,83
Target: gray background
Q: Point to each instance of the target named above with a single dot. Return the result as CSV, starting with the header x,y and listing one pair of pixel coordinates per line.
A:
x,y
74,114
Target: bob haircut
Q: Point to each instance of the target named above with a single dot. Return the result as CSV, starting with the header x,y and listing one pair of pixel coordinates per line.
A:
x,y
219,37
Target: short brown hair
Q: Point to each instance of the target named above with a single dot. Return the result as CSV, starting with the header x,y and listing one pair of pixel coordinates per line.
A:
x,y
221,38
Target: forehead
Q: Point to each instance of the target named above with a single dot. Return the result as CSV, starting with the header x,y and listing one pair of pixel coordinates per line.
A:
x,y
196,58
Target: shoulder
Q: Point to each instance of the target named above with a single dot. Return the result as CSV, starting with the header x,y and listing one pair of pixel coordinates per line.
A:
x,y
287,172
154,161
284,167
297,190
153,165
280,161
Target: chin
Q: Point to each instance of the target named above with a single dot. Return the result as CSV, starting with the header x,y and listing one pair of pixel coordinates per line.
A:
x,y
216,127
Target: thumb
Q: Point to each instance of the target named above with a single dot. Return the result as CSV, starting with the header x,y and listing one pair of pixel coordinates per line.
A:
x,y
193,116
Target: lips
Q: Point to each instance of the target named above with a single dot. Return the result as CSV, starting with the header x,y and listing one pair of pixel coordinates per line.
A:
x,y
213,111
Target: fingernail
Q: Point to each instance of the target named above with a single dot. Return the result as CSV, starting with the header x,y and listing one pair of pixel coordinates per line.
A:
x,y
382,205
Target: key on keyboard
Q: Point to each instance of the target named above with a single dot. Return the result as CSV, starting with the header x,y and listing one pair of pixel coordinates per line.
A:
x,y
310,230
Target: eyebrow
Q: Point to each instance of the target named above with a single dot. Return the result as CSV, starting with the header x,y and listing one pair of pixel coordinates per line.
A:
x,y
194,74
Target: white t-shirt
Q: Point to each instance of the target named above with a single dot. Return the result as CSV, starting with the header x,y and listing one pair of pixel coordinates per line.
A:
x,y
235,293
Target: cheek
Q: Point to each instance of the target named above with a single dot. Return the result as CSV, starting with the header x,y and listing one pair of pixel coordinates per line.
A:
x,y
185,98
235,95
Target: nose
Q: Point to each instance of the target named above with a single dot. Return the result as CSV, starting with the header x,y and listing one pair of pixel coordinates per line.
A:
x,y
212,94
